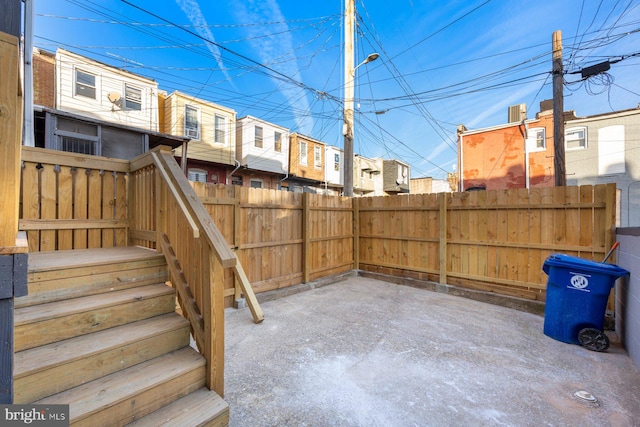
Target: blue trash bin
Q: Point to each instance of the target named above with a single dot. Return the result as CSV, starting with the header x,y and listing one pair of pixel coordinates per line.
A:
x,y
577,295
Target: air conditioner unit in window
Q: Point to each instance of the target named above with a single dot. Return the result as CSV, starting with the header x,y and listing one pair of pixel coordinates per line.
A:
x,y
191,133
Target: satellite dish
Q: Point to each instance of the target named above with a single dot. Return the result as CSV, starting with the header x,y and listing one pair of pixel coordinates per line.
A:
x,y
114,97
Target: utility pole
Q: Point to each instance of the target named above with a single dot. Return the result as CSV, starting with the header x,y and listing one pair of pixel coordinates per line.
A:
x,y
558,112
347,129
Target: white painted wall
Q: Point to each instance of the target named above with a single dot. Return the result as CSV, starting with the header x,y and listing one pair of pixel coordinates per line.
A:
x,y
107,80
332,176
266,158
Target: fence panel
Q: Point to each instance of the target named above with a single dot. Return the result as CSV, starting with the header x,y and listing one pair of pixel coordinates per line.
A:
x,y
72,201
329,236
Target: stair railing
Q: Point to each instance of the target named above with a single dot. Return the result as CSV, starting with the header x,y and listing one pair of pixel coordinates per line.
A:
x,y
165,213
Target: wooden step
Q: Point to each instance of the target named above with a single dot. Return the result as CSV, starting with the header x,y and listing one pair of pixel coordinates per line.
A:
x,y
126,396
47,323
60,275
52,368
202,408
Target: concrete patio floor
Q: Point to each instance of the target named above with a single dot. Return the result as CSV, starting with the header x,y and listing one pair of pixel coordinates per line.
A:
x,y
363,352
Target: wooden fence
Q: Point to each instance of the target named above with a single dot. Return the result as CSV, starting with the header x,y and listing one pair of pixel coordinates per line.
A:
x,y
494,241
73,202
282,238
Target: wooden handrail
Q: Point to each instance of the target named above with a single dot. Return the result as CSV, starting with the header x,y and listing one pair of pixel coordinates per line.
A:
x,y
176,195
196,212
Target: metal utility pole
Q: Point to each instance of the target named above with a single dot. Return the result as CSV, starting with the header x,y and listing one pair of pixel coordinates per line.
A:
x,y
347,129
558,112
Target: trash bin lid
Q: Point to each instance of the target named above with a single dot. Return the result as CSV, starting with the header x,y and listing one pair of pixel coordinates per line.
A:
x,y
583,265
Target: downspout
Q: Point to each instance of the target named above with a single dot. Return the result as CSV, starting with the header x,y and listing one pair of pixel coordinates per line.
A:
x,y
526,153
460,131
235,151
28,135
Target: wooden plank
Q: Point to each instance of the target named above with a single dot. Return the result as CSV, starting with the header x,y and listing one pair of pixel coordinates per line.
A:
x,y
31,201
48,206
84,161
108,207
95,207
245,286
10,136
71,224
306,237
443,226
80,208
65,206
122,237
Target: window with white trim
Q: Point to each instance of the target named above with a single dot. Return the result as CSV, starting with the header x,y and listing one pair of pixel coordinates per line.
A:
x,y
132,98
277,142
258,139
303,153
220,129
336,161
536,139
85,84
317,157
197,175
575,138
255,183
191,122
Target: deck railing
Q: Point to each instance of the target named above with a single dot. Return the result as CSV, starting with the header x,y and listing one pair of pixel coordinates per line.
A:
x,y
73,201
165,213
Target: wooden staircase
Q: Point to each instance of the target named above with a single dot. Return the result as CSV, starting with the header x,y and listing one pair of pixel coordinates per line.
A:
x,y
99,331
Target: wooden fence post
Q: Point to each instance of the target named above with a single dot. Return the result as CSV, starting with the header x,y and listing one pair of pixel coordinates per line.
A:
x,y
355,209
443,237
306,239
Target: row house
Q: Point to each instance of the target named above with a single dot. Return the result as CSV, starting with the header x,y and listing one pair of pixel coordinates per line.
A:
x,y
395,177
211,129
84,106
334,170
518,154
262,152
429,185
306,164
605,148
367,176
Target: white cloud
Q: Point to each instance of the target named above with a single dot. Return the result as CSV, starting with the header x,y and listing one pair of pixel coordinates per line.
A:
x,y
191,8
278,46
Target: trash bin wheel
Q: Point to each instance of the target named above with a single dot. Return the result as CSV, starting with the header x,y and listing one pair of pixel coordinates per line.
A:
x,y
593,339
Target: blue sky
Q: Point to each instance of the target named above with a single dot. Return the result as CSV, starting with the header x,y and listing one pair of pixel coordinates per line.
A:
x,y
442,63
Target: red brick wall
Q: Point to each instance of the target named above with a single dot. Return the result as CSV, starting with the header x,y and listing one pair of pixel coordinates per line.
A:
x,y
44,79
495,159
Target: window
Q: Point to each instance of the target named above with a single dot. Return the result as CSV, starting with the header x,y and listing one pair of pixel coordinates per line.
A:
x,y
317,157
277,142
402,174
85,84
197,175
258,137
303,153
236,180
336,162
536,140
191,122
220,129
132,98
77,137
575,138
256,183
611,150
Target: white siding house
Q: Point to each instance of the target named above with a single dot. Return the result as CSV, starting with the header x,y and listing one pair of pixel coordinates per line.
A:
x,y
90,88
334,168
262,146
